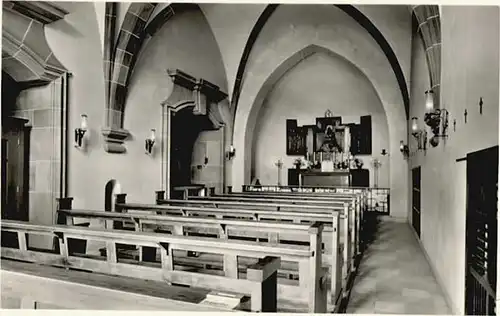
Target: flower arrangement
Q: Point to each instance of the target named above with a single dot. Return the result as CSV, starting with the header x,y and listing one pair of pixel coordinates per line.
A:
x,y
358,163
298,163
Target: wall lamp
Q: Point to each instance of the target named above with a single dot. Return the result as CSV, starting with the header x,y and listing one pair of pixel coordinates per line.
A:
x,y
419,134
150,142
404,149
436,119
230,154
80,131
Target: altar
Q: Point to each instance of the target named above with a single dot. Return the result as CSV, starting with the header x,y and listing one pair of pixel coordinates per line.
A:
x,y
321,178
316,177
327,151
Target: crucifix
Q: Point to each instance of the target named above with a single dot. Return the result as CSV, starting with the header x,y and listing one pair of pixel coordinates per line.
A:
x,y
465,116
481,105
279,164
454,125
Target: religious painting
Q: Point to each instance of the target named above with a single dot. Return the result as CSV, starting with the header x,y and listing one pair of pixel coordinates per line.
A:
x,y
295,138
322,123
331,140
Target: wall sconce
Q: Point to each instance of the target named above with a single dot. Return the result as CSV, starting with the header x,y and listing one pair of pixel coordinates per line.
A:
x,y
429,101
436,119
419,134
404,149
80,131
150,142
230,154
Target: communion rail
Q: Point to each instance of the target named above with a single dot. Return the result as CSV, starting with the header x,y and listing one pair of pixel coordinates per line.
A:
x,y
377,198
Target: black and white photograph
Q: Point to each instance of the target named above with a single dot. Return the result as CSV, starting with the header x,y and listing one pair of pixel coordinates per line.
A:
x,y
256,157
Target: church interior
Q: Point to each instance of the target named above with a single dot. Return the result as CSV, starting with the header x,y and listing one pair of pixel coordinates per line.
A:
x,y
252,157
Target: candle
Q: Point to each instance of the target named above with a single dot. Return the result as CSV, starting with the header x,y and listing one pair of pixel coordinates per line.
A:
x,y
321,157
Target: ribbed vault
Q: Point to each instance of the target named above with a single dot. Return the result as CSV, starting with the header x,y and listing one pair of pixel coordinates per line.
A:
x,y
429,28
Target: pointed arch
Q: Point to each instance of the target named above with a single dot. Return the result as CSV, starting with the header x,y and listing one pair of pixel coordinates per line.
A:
x,y
353,12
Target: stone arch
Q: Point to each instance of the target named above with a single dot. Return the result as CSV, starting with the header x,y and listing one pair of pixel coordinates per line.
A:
x,y
142,21
351,11
377,71
428,19
286,66
112,188
274,79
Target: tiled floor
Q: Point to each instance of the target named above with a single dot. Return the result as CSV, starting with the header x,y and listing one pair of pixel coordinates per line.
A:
x,y
394,276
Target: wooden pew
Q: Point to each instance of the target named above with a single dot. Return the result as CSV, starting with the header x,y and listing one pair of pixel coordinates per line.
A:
x,y
295,205
303,192
228,228
285,203
313,195
32,286
261,278
324,217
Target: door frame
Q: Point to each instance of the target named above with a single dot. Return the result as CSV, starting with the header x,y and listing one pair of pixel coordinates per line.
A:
x,y
11,123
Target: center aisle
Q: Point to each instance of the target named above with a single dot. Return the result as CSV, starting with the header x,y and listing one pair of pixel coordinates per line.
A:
x,y
394,276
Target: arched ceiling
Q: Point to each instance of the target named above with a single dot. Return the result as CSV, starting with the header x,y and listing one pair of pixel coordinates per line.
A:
x,y
351,11
26,56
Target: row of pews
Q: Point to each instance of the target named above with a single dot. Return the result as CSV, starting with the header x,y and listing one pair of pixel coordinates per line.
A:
x,y
285,251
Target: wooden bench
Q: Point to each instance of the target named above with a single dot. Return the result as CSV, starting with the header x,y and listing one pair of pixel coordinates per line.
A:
x,y
230,228
295,195
354,214
261,278
32,286
262,216
312,191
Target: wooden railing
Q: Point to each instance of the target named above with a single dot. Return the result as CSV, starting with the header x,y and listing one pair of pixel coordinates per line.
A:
x,y
377,198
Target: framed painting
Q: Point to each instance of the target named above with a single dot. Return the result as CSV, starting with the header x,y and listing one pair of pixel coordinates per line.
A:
x,y
322,123
295,139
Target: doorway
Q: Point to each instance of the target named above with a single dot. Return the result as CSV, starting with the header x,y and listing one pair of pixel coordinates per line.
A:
x,y
15,169
15,174
416,173
481,232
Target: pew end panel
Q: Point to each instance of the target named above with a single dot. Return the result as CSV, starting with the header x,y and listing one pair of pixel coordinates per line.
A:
x,y
264,293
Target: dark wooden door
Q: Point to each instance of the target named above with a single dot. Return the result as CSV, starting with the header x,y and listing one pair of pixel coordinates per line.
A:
x,y
416,199
15,173
481,232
